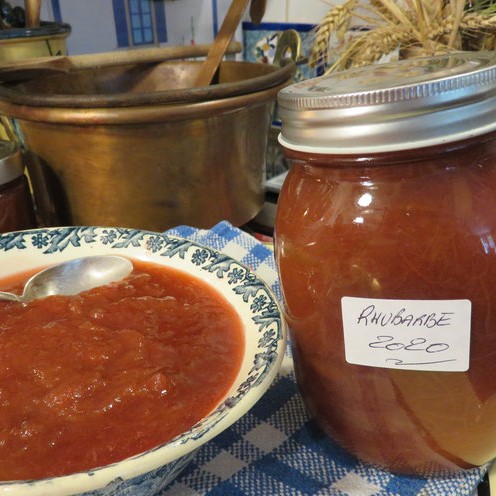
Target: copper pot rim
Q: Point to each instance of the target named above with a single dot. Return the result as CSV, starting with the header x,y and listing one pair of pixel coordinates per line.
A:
x,y
274,77
141,115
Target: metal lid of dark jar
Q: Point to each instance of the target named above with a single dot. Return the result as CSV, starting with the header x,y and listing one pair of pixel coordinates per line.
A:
x,y
10,162
401,105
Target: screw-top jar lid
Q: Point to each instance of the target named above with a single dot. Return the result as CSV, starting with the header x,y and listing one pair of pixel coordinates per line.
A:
x,y
400,105
10,162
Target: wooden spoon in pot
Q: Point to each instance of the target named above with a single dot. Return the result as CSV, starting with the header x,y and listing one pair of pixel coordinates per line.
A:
x,y
218,48
257,10
41,66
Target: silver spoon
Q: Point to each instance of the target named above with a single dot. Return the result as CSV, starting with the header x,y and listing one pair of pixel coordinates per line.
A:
x,y
73,276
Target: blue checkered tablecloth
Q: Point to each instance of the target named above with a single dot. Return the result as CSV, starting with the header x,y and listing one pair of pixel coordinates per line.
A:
x,y
276,449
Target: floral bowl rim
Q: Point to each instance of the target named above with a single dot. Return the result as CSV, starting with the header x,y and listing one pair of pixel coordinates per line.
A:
x,y
258,307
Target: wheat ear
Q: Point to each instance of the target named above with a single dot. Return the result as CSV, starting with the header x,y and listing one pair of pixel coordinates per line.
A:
x,y
333,22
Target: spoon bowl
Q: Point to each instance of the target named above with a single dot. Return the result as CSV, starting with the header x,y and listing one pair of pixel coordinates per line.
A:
x,y
73,277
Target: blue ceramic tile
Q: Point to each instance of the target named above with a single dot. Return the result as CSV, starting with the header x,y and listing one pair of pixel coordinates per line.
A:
x,y
260,43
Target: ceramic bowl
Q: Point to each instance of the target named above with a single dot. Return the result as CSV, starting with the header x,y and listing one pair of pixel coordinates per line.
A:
x,y
265,339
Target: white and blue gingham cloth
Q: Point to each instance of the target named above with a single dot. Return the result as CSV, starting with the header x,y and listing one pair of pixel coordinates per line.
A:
x,y
276,449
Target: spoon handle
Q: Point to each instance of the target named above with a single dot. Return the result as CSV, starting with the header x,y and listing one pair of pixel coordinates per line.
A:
x,y
218,48
9,296
257,10
32,9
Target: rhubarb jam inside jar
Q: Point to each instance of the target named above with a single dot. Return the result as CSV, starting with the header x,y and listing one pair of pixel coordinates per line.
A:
x,y
385,241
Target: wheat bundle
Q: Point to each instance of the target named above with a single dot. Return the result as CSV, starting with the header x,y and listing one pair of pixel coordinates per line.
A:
x,y
410,29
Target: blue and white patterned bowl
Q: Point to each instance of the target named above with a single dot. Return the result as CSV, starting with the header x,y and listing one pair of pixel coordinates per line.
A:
x,y
265,340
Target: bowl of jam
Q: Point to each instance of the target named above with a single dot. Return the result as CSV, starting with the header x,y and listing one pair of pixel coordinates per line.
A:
x,y
111,391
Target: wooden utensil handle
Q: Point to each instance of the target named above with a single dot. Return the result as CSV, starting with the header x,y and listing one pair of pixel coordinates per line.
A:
x,y
145,55
32,9
257,10
44,65
224,36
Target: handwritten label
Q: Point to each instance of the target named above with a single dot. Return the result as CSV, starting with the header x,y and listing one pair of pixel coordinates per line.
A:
x,y
407,334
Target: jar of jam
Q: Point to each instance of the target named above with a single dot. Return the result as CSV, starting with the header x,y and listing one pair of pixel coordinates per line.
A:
x,y
385,238
16,206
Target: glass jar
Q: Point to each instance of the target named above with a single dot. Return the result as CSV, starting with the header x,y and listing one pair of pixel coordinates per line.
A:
x,y
16,207
385,240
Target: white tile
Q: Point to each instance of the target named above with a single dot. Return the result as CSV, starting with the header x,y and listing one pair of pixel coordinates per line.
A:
x,y
276,11
309,11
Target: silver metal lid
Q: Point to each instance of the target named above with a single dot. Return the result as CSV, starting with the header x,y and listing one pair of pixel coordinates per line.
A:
x,y
10,162
401,105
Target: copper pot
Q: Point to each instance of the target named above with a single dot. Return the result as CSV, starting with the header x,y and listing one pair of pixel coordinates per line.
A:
x,y
135,146
46,39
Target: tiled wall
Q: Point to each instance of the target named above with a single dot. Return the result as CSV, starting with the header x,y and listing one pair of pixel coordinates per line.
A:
x,y
296,11
93,27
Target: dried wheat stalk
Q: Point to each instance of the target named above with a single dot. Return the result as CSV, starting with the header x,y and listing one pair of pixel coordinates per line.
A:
x,y
476,22
422,27
337,20
371,46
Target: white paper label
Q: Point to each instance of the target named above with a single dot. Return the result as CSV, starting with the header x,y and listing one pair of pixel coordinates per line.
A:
x,y
407,334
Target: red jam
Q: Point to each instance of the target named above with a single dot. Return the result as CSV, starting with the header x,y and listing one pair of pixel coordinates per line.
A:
x,y
92,379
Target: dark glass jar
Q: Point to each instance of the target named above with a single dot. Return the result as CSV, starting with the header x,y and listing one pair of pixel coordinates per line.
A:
x,y
386,246
16,206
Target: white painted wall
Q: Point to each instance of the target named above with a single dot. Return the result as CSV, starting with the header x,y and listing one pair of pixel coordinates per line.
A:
x,y
188,18
298,11
93,28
